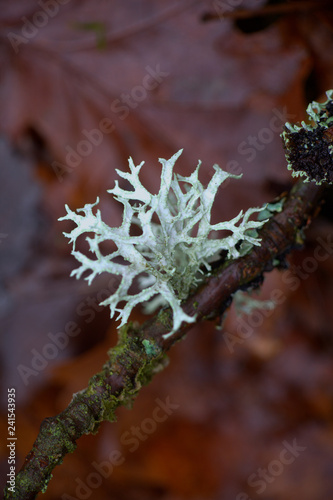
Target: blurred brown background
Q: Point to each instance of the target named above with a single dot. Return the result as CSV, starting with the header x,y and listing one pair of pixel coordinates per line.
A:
x,y
85,85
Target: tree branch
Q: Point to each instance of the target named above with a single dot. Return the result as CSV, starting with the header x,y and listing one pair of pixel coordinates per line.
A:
x,y
132,364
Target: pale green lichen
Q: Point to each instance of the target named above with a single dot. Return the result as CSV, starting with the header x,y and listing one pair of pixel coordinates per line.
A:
x,y
168,257
245,303
317,113
309,146
270,208
151,348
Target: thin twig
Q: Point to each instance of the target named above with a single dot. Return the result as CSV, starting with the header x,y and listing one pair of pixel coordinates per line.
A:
x,y
268,10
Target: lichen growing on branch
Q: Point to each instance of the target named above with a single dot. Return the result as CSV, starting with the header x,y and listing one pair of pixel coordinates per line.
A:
x,y
169,256
309,146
